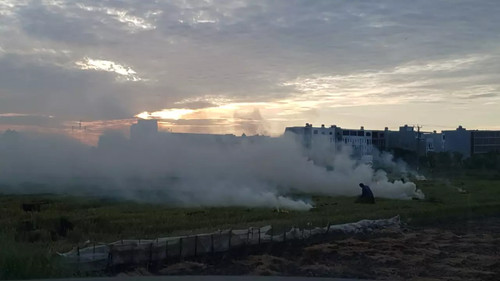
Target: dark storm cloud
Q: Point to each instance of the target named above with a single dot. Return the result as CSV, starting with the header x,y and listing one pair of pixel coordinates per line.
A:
x,y
243,51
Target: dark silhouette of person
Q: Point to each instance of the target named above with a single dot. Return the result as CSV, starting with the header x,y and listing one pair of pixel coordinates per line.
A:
x,y
366,196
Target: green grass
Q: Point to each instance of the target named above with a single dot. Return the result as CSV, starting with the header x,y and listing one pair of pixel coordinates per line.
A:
x,y
105,221
20,260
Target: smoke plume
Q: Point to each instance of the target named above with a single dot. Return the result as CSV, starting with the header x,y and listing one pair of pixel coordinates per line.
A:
x,y
187,170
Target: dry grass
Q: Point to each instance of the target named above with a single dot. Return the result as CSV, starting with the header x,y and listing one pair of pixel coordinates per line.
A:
x,y
34,236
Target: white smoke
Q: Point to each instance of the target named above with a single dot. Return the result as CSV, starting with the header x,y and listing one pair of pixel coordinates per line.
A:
x,y
187,170
385,160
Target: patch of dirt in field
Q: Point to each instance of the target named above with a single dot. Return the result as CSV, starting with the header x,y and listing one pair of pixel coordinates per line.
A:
x,y
465,251
183,268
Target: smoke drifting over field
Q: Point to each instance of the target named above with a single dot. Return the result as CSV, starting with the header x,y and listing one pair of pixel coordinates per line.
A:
x,y
182,170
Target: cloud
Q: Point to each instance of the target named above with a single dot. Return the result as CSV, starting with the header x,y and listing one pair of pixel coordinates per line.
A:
x,y
481,96
124,16
105,65
422,81
44,88
292,58
40,21
196,122
29,120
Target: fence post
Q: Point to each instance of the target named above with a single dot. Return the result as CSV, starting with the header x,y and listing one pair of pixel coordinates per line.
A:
x,y
166,251
196,245
248,236
259,237
110,257
212,243
180,248
327,229
150,254
272,232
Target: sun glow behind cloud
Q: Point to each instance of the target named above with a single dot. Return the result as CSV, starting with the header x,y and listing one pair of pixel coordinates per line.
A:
x,y
327,98
171,113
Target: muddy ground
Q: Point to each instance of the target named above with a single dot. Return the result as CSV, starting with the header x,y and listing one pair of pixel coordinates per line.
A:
x,y
459,251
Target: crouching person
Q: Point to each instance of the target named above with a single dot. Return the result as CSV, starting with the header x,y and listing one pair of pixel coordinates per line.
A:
x,y
366,196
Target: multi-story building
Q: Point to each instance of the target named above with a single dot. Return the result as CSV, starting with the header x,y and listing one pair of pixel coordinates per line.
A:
x,y
317,135
406,138
144,128
433,142
485,141
458,140
469,142
379,138
362,141
147,130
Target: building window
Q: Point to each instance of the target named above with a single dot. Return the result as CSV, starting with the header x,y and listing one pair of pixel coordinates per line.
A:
x,y
368,134
331,133
315,132
361,133
322,133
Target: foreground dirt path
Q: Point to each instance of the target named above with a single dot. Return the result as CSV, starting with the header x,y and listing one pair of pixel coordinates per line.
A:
x,y
460,251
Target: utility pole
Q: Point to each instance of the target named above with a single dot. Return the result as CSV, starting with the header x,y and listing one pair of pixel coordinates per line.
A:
x,y
418,146
79,131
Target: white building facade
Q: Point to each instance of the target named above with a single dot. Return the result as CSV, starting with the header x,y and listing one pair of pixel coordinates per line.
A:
x,y
360,140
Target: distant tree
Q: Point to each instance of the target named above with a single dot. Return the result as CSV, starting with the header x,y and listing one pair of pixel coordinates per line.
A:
x,y
443,160
490,160
474,162
457,159
431,160
487,161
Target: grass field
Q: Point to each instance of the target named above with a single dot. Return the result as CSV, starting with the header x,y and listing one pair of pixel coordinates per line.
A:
x,y
29,240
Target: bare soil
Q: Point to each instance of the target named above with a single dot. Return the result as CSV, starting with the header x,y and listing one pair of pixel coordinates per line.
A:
x,y
457,251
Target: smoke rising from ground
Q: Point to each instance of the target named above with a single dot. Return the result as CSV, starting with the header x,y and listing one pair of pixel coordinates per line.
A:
x,y
187,170
385,161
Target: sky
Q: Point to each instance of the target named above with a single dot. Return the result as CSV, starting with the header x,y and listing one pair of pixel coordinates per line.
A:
x,y
250,67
